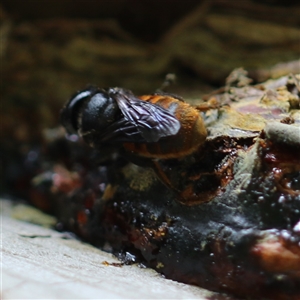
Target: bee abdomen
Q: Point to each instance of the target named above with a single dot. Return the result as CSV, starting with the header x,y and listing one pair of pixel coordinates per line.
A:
x,y
190,136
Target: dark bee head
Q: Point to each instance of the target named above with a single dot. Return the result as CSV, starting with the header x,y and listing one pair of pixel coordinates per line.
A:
x,y
89,112
70,113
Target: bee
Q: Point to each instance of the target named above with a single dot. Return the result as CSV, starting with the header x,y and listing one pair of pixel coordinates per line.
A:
x,y
157,126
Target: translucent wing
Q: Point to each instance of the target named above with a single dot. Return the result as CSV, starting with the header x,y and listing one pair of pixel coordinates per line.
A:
x,y
121,131
151,121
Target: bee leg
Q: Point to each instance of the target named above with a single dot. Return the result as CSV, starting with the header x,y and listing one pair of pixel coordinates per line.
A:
x,y
212,103
170,79
163,176
184,195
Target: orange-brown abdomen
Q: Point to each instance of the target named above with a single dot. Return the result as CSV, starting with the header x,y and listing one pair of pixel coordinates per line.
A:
x,y
190,136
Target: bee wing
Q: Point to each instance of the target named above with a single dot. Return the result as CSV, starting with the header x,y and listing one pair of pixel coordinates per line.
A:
x,y
121,131
151,121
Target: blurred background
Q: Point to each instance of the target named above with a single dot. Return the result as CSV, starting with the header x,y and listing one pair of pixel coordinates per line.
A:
x,y
52,48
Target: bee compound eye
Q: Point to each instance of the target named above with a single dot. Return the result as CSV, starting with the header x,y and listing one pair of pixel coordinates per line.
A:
x,y
70,113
